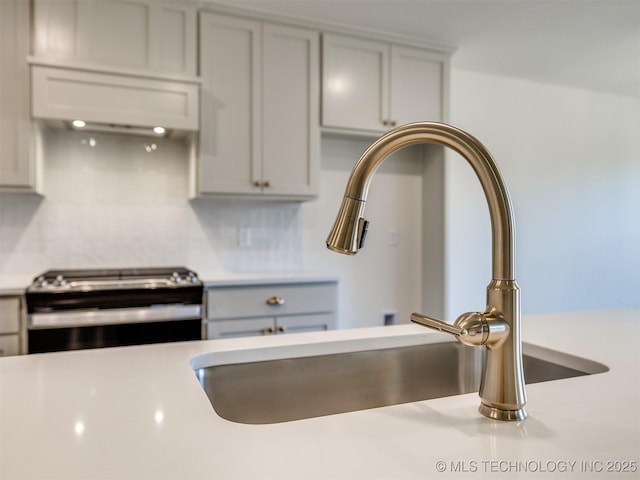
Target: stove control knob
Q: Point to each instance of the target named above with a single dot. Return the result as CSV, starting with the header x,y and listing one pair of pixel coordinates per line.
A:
x,y
41,282
175,276
60,281
193,278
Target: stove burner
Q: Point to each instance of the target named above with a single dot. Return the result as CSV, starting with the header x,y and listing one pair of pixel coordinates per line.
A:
x,y
85,280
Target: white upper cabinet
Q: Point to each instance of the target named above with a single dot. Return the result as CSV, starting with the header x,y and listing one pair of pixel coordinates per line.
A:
x,y
259,121
355,83
374,86
290,109
17,165
150,35
417,88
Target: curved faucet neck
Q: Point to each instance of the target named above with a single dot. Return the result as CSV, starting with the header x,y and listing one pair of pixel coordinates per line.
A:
x,y
495,191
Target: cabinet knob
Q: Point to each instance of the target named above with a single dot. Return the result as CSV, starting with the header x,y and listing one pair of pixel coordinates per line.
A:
x,y
280,329
275,301
266,331
266,184
257,183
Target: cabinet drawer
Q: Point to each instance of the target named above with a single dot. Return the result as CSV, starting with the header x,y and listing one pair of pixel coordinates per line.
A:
x,y
254,301
9,345
249,327
9,314
240,327
306,323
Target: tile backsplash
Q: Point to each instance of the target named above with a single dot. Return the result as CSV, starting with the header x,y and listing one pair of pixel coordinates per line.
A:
x,y
123,201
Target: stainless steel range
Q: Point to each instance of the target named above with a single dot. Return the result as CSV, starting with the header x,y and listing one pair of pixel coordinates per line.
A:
x,y
76,309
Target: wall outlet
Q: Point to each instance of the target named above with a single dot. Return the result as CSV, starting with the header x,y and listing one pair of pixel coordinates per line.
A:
x,y
389,317
392,236
244,237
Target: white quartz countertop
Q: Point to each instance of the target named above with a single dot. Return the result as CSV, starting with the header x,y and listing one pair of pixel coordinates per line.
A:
x,y
139,412
14,284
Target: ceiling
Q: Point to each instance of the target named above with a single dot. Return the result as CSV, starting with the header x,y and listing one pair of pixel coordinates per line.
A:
x,y
593,44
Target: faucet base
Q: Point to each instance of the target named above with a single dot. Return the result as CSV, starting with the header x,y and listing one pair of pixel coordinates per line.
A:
x,y
504,415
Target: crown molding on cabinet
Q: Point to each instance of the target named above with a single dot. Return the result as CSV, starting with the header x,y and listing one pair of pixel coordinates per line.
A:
x,y
325,27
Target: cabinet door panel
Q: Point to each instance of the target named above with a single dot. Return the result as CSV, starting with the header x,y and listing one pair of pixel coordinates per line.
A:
x,y
9,314
98,41
153,35
9,345
229,136
290,110
305,323
176,35
416,85
240,327
17,168
354,83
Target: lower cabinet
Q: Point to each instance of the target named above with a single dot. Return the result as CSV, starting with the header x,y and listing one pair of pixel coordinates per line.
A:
x,y
10,312
251,310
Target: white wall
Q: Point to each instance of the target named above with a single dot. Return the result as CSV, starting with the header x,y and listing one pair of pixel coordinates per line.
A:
x,y
381,277
571,160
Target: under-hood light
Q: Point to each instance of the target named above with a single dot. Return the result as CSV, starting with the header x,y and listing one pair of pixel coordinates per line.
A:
x,y
113,128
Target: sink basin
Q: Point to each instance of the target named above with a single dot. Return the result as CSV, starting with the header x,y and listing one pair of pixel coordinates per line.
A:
x,y
288,389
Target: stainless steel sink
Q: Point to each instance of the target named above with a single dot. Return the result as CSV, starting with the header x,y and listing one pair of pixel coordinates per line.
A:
x,y
277,391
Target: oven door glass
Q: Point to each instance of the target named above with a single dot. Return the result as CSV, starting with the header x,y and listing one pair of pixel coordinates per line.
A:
x,y
96,336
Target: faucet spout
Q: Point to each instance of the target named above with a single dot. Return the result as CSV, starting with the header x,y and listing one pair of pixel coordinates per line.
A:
x,y
502,387
345,237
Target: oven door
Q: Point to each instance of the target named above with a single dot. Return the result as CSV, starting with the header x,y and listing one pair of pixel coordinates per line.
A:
x,y
111,327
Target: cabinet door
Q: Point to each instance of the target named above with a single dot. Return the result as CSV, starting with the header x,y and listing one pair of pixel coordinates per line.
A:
x,y
16,157
9,344
240,327
290,117
140,34
417,78
229,157
305,323
9,314
9,324
355,82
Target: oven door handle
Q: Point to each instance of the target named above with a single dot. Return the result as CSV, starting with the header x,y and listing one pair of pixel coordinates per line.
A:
x,y
112,316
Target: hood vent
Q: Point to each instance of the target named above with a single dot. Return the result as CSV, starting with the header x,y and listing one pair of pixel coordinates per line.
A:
x,y
81,125
113,102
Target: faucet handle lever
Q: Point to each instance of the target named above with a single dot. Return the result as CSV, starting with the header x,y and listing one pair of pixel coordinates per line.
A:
x,y
437,324
470,328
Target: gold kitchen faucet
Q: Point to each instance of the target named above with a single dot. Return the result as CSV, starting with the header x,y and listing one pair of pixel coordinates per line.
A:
x,y
502,390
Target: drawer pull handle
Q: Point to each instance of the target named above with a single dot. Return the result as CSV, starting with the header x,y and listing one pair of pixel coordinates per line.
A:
x,y
275,301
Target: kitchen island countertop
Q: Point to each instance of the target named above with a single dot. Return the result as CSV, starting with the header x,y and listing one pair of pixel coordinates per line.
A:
x,y
139,412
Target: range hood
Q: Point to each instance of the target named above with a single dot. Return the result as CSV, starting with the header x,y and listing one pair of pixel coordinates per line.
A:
x,y
98,99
